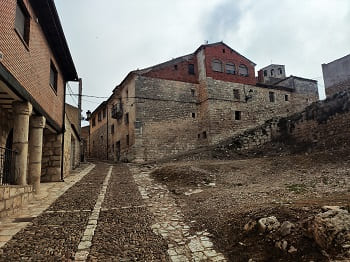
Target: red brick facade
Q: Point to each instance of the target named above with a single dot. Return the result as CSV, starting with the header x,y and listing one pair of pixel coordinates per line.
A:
x,y
30,63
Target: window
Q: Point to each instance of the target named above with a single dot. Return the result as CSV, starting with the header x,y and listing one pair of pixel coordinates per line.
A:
x,y
216,65
94,121
112,129
223,50
265,72
286,98
272,96
22,21
238,115
280,71
191,69
104,112
230,69
236,94
243,70
204,134
53,76
272,72
99,116
193,115
199,136
127,140
127,94
126,119
193,92
175,67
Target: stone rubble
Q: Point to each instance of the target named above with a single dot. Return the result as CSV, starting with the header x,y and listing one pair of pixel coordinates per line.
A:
x,y
170,224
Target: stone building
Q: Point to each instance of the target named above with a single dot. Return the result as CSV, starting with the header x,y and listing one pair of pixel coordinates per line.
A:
x,y
35,64
85,139
336,75
192,101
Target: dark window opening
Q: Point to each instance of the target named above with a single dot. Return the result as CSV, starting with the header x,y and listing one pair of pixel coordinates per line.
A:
x,y
99,116
223,50
230,69
280,71
243,70
112,129
286,98
216,65
104,112
193,115
272,96
127,140
238,115
126,118
272,72
199,136
236,94
53,76
127,94
204,134
175,67
265,73
193,92
94,121
191,69
22,21
101,137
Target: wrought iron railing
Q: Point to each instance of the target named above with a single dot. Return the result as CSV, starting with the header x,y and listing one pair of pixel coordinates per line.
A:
x,y
7,166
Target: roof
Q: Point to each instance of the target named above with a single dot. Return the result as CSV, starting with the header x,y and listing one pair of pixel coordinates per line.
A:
x,y
99,107
339,59
270,66
221,43
296,77
47,15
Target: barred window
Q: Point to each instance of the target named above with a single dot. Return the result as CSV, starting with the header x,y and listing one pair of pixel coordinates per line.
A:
x,y
243,70
230,68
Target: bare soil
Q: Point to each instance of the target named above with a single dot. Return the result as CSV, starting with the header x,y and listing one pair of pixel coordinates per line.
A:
x,y
223,195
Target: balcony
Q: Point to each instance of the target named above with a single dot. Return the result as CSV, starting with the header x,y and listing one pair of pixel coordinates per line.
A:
x,y
117,111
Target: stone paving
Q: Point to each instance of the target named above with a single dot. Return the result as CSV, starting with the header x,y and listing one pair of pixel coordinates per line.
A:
x,y
170,224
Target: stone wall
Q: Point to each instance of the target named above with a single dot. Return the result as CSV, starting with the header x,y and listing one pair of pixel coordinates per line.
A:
x,y
12,198
324,125
51,159
98,142
71,149
344,85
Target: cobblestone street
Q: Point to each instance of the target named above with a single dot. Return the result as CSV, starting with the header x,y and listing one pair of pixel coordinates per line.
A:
x,y
106,216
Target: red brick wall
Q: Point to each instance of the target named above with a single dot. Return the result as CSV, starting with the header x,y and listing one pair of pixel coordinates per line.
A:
x,y
169,72
216,52
31,65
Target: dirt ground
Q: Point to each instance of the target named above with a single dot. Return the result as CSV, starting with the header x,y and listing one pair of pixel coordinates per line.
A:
x,y
222,196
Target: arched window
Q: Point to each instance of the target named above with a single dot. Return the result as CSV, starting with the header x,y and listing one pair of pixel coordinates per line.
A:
x,y
280,71
216,65
265,72
230,68
272,72
243,70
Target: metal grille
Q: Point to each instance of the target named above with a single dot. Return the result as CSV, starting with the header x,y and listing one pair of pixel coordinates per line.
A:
x,y
7,166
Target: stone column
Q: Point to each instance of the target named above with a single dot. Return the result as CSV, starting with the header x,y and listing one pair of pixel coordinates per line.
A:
x,y
22,112
37,124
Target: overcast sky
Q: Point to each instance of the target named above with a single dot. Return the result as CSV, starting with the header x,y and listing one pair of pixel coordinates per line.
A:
x,y
109,38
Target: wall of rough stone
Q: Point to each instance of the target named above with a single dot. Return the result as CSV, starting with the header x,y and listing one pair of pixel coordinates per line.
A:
x,y
98,142
52,155
70,141
344,85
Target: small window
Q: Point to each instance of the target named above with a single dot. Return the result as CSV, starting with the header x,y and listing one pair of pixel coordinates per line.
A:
x,y
127,140
193,92
101,137
286,98
238,115
126,118
280,71
236,94
53,76
223,50
243,70
22,21
216,65
272,72
112,129
230,69
265,72
99,116
199,136
104,112
204,134
272,96
175,67
94,121
127,94
191,69
193,115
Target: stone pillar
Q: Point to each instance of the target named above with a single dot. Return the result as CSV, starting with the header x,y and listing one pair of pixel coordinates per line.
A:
x,y
22,112
37,124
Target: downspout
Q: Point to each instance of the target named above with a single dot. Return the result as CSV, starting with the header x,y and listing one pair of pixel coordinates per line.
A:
x,y
63,130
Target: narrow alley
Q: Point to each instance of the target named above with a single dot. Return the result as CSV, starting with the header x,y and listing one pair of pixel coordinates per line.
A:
x,y
113,213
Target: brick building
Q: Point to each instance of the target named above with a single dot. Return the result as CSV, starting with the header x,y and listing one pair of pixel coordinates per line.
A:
x,y
35,64
192,101
336,75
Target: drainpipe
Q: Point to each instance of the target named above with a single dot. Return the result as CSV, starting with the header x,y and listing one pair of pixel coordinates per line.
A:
x,y
63,129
